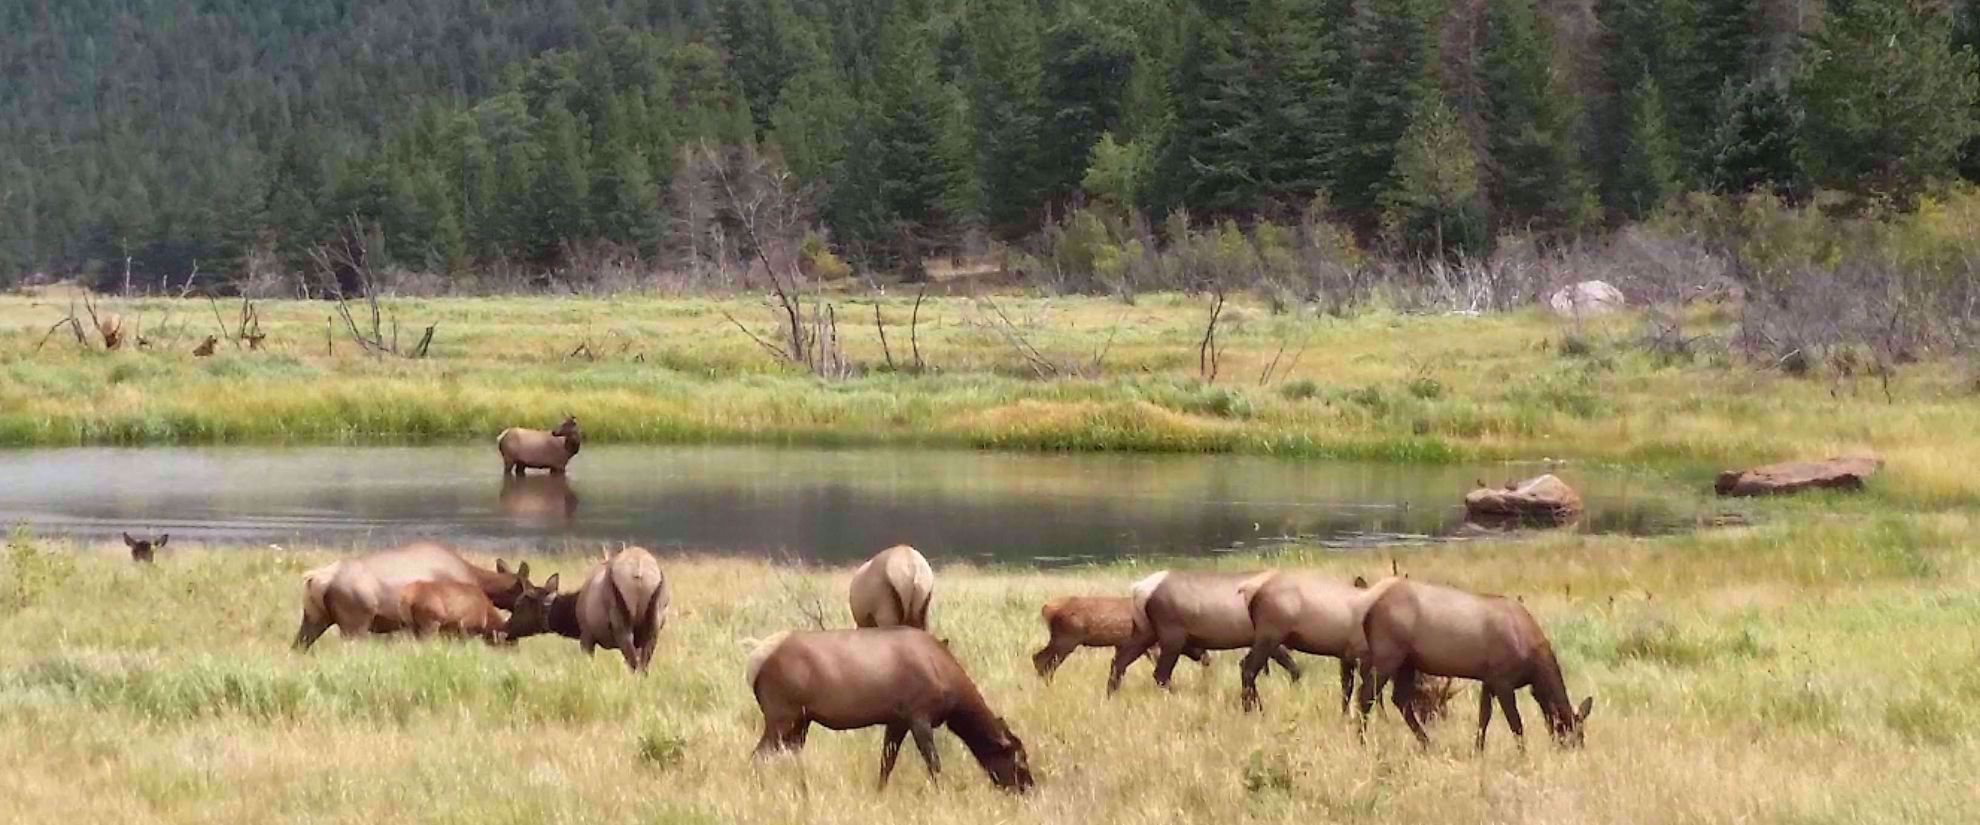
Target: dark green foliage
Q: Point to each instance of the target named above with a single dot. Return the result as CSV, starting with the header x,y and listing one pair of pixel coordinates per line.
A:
x,y
1435,206
1007,110
1648,170
1391,81
1534,169
1757,147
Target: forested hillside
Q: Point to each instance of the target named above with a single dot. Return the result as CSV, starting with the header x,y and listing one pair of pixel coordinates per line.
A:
x,y
236,135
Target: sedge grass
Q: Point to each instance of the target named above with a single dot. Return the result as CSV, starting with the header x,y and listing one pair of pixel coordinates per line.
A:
x,y
1807,671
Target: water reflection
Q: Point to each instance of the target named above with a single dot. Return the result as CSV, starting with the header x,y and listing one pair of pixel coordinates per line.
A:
x,y
816,504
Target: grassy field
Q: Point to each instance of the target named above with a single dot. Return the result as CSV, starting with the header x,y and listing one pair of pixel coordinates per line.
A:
x,y
1380,385
1811,670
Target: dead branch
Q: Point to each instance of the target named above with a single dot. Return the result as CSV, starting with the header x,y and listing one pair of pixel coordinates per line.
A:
x,y
1101,356
73,324
766,345
185,289
218,321
426,340
1040,365
1207,352
882,327
914,323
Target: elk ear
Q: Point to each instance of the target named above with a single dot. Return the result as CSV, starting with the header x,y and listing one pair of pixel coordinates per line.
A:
x,y
1587,704
501,567
162,538
522,571
128,541
1360,582
550,584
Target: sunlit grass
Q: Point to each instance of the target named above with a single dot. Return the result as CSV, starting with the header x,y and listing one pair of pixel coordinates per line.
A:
x,y
1738,674
1377,386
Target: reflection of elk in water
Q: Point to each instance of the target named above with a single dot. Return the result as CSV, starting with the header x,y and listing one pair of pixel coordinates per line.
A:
x,y
538,499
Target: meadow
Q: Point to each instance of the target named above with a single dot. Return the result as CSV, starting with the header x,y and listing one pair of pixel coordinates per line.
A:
x,y
1810,669
1378,385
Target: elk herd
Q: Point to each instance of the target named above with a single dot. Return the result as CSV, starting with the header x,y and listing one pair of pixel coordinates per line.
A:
x,y
888,671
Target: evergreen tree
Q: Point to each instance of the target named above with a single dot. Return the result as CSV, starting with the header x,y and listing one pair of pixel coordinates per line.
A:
x,y
768,44
916,167
1889,101
1758,147
1534,173
1435,205
1294,52
1647,173
559,196
1205,163
1391,81
1006,108
1723,57
1088,63
1643,41
811,124
1966,38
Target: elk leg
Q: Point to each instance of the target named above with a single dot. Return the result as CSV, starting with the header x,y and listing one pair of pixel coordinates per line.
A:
x,y
309,632
628,650
890,750
1125,655
773,739
1365,699
1484,714
1048,658
1254,662
1197,654
1347,682
924,741
1285,660
1405,699
1165,665
1509,702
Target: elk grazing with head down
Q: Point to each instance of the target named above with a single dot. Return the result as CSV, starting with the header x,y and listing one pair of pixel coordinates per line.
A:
x,y
621,606
1309,613
362,595
1089,621
1416,629
1175,612
141,549
525,449
453,608
899,677
892,588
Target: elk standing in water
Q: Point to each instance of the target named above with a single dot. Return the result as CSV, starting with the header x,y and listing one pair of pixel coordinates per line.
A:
x,y
1089,621
525,449
1180,611
899,677
1309,613
892,588
1415,629
621,606
451,607
362,595
141,549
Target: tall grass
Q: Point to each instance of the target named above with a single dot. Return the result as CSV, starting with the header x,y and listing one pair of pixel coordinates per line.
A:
x,y
1737,674
1376,386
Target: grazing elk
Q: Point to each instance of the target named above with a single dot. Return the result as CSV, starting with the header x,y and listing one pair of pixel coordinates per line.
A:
x,y
1089,621
142,549
1179,611
892,588
525,449
453,608
621,606
1309,613
899,677
362,595
1418,629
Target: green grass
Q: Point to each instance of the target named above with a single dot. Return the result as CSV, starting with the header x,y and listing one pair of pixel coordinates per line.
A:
x,y
1379,386
1737,674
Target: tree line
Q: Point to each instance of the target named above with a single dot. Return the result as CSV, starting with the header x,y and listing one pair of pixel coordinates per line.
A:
x,y
156,136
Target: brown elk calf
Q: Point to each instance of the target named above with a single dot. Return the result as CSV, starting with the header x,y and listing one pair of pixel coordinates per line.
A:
x,y
1089,621
141,549
453,608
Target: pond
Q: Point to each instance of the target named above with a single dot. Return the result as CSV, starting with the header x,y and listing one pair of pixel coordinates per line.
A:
x,y
813,504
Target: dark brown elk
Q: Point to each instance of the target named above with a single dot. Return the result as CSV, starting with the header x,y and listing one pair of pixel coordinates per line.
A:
x,y
899,677
1308,613
525,449
141,549
1415,629
621,606
1175,612
205,347
1089,621
892,588
361,595
453,608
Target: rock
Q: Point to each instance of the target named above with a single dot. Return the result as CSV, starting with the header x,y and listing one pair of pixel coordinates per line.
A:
x,y
1544,500
1586,299
1796,476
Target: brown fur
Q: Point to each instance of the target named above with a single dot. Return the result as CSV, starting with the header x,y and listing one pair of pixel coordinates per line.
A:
x,y
899,677
111,327
1179,611
205,347
1088,621
141,549
1308,613
1418,629
621,606
524,449
538,500
362,595
892,588
451,607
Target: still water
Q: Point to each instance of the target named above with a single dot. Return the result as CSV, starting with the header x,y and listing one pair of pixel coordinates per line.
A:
x,y
828,505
